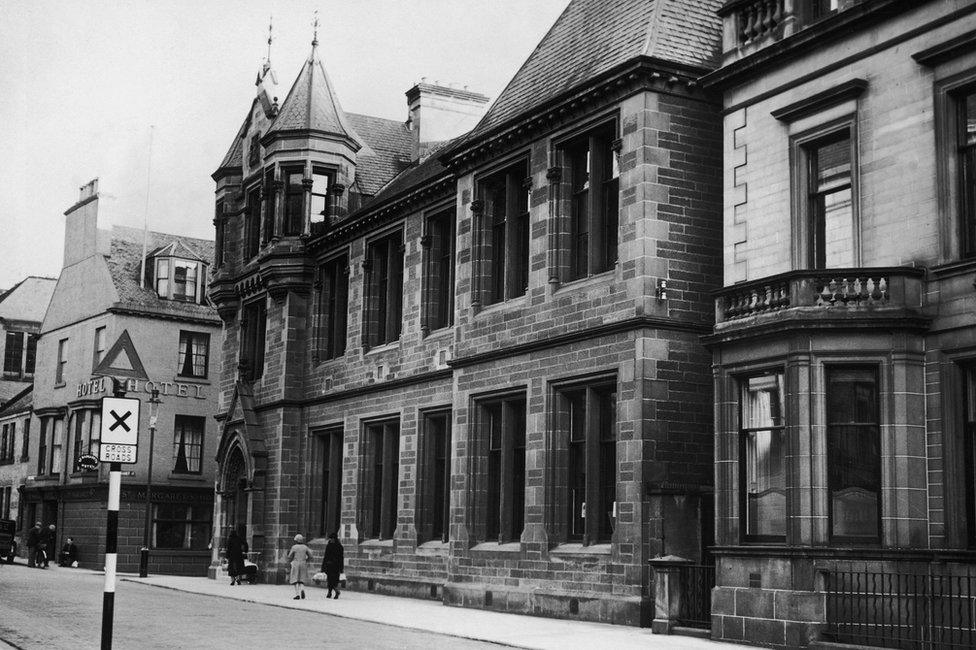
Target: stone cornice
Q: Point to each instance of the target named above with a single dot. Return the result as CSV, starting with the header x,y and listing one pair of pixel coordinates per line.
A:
x,y
784,323
130,310
641,73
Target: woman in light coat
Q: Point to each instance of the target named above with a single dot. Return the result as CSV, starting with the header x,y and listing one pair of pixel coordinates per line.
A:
x,y
299,555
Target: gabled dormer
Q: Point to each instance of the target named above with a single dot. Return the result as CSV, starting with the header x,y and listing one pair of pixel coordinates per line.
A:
x,y
176,272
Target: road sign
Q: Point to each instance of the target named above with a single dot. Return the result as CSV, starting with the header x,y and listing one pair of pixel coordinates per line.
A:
x,y
120,430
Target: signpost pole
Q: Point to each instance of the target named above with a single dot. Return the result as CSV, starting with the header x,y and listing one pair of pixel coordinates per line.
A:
x,y
144,551
111,553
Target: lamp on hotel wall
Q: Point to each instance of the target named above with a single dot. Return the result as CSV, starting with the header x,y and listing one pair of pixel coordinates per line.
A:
x,y
144,551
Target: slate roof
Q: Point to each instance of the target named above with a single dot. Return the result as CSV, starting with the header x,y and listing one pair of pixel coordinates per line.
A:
x,y
312,104
390,145
235,155
592,37
28,299
124,263
21,399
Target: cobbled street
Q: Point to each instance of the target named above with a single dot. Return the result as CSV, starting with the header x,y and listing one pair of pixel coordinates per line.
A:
x,y
62,608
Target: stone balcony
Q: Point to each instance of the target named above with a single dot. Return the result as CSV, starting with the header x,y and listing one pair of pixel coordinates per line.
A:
x,y
834,296
750,25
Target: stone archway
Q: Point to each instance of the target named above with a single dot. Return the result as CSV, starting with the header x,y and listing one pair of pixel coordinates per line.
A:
x,y
236,496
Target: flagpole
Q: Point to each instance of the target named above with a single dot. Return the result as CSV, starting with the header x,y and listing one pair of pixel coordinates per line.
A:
x,y
145,226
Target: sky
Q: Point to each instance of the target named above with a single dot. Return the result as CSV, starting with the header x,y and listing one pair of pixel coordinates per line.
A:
x,y
147,96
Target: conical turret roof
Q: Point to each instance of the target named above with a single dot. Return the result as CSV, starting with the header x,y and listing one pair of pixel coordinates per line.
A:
x,y
312,105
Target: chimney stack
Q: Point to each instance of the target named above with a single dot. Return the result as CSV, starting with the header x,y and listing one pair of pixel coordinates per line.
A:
x,y
81,225
438,113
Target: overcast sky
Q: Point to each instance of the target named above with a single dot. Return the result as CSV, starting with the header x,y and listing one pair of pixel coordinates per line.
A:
x,y
84,81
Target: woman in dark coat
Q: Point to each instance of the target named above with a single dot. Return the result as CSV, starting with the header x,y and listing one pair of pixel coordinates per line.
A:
x,y
333,564
236,550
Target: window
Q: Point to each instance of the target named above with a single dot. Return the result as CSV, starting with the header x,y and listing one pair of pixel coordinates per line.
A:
x,y
185,276
42,448
11,443
589,416
762,470
7,496
853,454
967,171
969,449
94,431
502,433
254,151
193,354
384,290
294,202
438,246
187,444
13,353
62,362
270,197
333,307
320,196
505,227
219,234
329,483
435,499
99,346
79,442
3,443
254,317
252,224
57,441
382,446
827,224
31,355
25,443
594,186
181,526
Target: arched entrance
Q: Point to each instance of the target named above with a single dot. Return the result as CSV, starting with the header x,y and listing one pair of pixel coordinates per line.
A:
x,y
236,494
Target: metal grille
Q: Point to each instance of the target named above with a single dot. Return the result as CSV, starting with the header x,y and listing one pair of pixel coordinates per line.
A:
x,y
930,610
695,608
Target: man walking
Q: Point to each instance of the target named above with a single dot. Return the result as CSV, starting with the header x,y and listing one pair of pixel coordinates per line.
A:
x,y
33,540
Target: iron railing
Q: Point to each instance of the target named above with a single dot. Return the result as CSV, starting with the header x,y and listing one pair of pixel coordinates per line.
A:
x,y
696,582
928,610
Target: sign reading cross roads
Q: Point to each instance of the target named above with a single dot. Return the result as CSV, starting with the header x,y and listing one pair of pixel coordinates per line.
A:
x,y
120,430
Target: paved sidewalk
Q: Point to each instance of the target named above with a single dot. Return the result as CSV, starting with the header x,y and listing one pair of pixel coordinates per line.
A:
x,y
507,629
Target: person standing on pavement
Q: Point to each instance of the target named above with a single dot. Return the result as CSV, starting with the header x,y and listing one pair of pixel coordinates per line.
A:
x,y
333,564
236,552
48,541
33,540
299,555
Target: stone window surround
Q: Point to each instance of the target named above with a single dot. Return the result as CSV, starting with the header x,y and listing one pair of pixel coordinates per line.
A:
x,y
481,478
436,315
384,522
325,497
812,461
429,501
377,332
801,141
330,342
946,90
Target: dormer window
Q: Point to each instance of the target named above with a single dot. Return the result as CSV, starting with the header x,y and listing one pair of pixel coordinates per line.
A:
x,y
177,278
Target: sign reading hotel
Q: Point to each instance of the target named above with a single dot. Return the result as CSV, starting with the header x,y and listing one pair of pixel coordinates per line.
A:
x,y
123,362
120,430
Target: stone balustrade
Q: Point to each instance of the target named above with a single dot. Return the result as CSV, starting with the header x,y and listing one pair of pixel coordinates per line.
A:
x,y
759,19
862,289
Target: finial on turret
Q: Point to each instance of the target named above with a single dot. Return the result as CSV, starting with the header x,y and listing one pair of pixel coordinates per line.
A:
x,y
315,28
270,23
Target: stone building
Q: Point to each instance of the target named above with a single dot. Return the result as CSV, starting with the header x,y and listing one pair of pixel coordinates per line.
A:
x,y
844,343
142,320
478,360
15,418
21,311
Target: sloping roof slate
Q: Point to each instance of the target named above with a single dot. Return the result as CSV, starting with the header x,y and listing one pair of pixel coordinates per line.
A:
x,y
28,299
594,36
21,400
312,104
390,143
125,261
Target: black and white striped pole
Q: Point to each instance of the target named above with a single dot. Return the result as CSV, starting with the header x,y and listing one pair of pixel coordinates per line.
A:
x,y
111,553
118,445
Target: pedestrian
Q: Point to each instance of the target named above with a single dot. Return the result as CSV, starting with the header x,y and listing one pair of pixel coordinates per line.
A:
x,y
236,552
33,541
69,553
299,554
48,543
332,565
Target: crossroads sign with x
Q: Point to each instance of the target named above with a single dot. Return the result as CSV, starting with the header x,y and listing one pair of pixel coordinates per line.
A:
x,y
120,430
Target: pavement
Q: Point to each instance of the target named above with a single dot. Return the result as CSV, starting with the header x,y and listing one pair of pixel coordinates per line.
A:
x,y
431,616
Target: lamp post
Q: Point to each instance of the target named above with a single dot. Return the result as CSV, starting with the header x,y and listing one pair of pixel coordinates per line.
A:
x,y
144,551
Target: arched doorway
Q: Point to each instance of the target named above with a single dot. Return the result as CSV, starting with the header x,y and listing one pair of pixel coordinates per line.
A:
x,y
235,493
